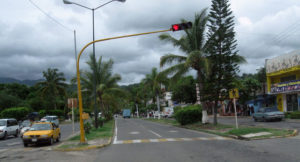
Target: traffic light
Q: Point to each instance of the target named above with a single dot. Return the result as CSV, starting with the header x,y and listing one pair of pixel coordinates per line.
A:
x,y
181,26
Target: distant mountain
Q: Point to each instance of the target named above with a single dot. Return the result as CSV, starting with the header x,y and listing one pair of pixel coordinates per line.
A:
x,y
25,82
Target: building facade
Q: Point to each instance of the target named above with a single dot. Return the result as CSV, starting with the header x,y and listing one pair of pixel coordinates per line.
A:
x,y
283,80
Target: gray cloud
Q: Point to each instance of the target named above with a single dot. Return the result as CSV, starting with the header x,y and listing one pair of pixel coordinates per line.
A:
x,y
30,42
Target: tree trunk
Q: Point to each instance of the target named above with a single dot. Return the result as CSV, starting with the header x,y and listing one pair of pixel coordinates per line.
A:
x,y
158,106
204,109
215,113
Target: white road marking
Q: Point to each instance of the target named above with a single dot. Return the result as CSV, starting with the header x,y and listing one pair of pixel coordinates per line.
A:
x,y
154,133
173,131
153,140
116,133
169,140
134,133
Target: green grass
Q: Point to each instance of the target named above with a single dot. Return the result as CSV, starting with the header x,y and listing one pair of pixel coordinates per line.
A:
x,y
104,132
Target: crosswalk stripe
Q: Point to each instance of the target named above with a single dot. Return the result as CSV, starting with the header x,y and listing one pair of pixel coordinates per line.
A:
x,y
169,140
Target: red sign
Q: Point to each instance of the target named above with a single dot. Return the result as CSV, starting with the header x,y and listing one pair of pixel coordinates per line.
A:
x,y
72,102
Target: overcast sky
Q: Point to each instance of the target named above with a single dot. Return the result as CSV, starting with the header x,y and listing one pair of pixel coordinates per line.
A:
x,y
31,42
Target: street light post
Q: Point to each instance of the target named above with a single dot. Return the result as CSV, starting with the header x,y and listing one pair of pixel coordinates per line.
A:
x,y
94,57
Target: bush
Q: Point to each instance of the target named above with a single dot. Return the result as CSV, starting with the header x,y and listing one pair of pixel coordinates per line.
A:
x,y
87,127
189,114
43,113
16,112
287,115
295,115
177,108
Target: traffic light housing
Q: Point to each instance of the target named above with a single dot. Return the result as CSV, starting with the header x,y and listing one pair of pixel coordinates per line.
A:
x,y
181,26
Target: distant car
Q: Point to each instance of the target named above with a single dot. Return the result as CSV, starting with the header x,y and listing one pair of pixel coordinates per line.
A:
x,y
53,119
42,132
267,114
25,126
126,113
8,127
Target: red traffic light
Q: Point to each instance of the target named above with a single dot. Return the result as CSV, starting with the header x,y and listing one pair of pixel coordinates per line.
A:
x,y
181,26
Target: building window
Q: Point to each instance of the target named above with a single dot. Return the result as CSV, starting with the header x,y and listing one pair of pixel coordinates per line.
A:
x,y
288,78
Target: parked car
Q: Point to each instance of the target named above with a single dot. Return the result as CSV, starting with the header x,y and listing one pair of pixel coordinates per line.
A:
x,y
53,119
268,113
42,132
25,126
8,127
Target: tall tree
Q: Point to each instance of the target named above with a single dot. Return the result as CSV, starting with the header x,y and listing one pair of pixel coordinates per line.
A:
x,y
194,46
106,84
153,82
221,51
53,86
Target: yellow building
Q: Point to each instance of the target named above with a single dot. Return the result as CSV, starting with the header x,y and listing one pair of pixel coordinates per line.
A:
x,y
283,80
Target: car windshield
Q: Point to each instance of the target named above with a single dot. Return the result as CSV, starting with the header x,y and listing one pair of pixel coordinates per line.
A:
x,y
40,127
271,109
2,122
26,123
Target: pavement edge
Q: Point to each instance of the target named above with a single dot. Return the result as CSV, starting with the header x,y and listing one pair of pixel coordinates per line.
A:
x,y
88,147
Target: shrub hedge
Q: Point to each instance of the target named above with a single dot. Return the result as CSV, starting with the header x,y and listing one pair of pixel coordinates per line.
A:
x,y
189,114
15,112
295,115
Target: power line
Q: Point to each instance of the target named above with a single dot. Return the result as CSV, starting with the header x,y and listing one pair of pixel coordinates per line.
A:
x,y
57,22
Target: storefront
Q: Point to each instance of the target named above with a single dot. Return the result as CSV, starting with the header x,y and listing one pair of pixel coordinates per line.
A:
x,y
283,80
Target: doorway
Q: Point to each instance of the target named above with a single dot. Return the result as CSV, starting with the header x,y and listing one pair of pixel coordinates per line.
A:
x,y
292,102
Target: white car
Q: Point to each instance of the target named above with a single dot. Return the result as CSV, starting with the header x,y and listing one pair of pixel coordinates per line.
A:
x,y
25,126
8,127
52,119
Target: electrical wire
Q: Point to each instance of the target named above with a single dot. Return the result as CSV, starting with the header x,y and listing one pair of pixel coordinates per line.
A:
x,y
53,19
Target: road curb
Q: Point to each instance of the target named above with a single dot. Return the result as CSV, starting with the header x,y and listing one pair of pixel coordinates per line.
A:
x,y
84,148
88,147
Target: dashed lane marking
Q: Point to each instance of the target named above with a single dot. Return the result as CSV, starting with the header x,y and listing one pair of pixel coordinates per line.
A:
x,y
169,140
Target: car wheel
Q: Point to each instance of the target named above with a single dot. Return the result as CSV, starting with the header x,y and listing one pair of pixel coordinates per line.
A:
x,y
58,138
5,136
25,144
51,141
17,133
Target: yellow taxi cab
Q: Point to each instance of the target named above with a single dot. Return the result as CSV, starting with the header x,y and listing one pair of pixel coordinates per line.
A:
x,y
42,132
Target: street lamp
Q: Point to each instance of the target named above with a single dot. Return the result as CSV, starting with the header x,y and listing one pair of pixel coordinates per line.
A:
x,y
94,81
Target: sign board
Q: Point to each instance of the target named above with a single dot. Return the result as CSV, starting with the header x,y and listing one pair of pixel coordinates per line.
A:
x,y
85,116
283,62
234,93
286,86
72,102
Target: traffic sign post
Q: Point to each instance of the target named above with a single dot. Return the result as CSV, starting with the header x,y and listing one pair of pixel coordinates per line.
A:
x,y
233,94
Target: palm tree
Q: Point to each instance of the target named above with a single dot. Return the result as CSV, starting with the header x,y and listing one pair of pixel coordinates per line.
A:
x,y
53,86
193,45
106,83
153,82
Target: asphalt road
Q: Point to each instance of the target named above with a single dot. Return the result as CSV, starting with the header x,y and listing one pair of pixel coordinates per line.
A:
x,y
15,142
143,141
208,149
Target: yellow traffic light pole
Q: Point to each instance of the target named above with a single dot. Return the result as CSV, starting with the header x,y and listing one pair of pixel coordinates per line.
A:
x,y
82,138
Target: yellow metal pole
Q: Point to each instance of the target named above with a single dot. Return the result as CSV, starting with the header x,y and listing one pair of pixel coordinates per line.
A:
x,y
82,138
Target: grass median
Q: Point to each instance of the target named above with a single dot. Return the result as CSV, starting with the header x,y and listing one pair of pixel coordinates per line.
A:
x,y
96,137
228,130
